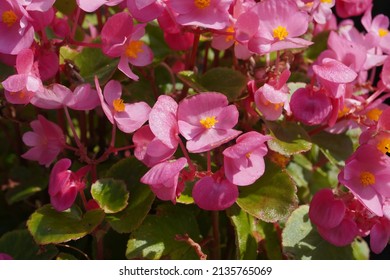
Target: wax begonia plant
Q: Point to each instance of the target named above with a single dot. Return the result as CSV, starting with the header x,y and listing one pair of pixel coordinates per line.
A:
x,y
194,129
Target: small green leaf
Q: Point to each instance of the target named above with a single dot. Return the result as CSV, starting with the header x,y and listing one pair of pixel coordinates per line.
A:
x,y
186,196
110,194
66,7
272,197
320,44
245,229
224,80
20,245
141,197
155,238
92,62
289,138
191,80
302,241
47,225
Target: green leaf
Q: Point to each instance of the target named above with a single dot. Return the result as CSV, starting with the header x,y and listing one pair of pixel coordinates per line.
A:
x,y
92,62
245,229
224,80
110,194
155,38
65,256
320,44
186,196
155,238
272,197
302,241
141,197
66,7
191,80
289,138
50,226
271,242
20,245
336,147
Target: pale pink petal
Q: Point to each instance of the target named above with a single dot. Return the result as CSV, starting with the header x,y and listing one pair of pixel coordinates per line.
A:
x,y
125,68
334,71
112,91
25,61
210,139
134,116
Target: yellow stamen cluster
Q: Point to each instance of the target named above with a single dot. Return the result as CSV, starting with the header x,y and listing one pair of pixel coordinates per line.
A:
x,y
134,48
374,114
9,18
119,105
367,178
208,122
202,4
229,38
382,32
326,1
384,145
280,33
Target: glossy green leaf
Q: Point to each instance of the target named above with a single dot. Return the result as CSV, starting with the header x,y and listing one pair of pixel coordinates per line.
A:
x,y
92,62
20,245
245,231
272,197
110,194
289,138
302,241
336,147
47,225
130,170
156,237
224,80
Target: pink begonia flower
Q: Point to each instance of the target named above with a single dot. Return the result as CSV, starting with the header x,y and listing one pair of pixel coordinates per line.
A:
x,y
272,26
163,179
65,184
244,162
321,10
350,8
16,32
21,88
384,120
325,210
93,5
331,24
47,141
341,235
271,98
163,121
310,106
145,10
333,75
128,117
367,175
203,13
37,5
214,194
57,96
40,20
5,257
174,34
225,41
206,121
379,28
149,149
379,236
121,38
48,63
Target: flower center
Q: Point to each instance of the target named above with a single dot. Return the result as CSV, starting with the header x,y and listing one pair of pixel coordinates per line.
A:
x,y
384,145
367,178
229,37
382,32
326,1
208,122
201,4
119,105
374,114
134,48
248,155
9,18
280,32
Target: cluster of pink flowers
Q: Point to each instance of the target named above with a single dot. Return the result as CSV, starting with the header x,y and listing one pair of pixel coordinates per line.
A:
x,y
338,97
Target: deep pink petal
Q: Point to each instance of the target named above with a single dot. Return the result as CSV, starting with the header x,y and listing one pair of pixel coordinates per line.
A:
x,y
25,61
341,235
379,237
125,68
214,195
